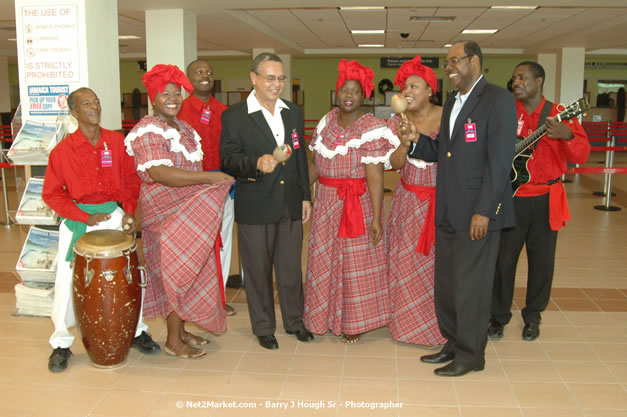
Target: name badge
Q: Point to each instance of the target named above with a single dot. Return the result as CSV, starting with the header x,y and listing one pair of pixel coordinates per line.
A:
x,y
295,140
471,132
521,124
205,116
106,158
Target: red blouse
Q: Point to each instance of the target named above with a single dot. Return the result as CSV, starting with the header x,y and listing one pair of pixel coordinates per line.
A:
x,y
77,174
191,112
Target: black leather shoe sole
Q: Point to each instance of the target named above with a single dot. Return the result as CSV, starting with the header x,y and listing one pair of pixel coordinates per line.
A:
x,y
268,342
495,330
57,362
531,332
303,335
145,344
456,369
439,357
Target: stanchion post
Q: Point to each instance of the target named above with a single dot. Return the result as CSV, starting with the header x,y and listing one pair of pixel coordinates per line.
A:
x,y
608,190
608,143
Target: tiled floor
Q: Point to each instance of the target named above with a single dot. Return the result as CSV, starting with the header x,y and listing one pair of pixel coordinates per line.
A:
x,y
577,368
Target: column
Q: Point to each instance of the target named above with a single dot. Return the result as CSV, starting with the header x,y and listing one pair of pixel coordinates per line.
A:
x,y
5,93
286,94
549,63
171,38
572,62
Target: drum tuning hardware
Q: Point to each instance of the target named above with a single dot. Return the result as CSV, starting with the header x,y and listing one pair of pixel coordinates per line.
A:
x,y
89,273
129,276
142,273
108,275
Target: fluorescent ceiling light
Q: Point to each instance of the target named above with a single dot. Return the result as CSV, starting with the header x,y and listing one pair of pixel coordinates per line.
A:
x,y
514,7
363,8
12,39
128,37
448,45
433,19
479,31
368,32
370,45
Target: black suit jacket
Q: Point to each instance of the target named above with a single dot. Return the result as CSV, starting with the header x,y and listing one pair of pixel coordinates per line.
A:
x,y
261,198
473,177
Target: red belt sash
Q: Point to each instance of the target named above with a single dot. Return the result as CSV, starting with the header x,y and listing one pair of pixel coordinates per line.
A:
x,y
558,205
427,236
349,190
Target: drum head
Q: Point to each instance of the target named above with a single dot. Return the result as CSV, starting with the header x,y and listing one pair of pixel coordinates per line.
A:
x,y
104,243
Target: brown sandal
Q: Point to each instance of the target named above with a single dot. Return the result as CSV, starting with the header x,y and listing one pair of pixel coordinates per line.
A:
x,y
195,353
351,338
193,340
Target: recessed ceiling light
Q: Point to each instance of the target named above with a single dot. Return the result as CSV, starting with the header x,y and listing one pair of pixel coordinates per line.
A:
x,y
433,19
362,8
514,7
367,32
479,31
448,45
370,45
12,39
128,37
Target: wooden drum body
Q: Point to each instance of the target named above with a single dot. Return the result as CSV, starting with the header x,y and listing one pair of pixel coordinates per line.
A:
x,y
107,294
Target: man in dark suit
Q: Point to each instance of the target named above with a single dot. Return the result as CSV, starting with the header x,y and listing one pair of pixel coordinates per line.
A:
x,y
272,199
474,151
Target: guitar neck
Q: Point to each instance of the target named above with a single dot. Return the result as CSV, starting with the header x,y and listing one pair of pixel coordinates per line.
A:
x,y
530,140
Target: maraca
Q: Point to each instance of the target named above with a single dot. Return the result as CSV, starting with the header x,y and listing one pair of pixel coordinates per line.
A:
x,y
399,105
282,152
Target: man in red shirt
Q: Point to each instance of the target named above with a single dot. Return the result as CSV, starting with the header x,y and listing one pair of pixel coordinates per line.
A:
x,y
204,113
540,205
91,182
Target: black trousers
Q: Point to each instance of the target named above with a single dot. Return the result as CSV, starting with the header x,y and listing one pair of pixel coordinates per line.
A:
x,y
262,247
533,230
464,271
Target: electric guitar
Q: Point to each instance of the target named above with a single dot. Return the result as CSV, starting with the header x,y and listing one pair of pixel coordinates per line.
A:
x,y
522,150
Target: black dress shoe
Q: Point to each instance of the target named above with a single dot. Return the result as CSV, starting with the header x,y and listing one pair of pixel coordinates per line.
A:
x,y
268,341
495,329
145,344
456,369
439,357
303,334
57,361
531,332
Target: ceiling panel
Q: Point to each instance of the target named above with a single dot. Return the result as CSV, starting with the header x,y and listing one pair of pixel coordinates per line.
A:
x,y
290,26
364,19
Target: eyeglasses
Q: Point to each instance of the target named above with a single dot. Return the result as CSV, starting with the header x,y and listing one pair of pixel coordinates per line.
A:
x,y
270,79
454,61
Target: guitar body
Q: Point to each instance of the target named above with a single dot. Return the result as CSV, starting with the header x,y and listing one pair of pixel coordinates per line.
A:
x,y
520,173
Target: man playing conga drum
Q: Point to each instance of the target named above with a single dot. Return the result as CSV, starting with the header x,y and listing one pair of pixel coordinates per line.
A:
x,y
91,182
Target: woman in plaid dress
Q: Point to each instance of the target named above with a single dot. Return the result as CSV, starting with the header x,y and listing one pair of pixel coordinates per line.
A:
x,y
411,226
346,290
180,217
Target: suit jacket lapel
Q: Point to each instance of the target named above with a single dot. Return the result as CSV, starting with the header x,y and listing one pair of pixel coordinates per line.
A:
x,y
261,123
471,102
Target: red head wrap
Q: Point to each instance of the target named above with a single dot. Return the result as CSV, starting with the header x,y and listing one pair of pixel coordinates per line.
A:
x,y
414,67
161,75
355,71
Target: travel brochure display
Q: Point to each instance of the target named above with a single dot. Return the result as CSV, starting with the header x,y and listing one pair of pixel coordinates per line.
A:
x,y
34,298
37,267
32,208
38,259
34,142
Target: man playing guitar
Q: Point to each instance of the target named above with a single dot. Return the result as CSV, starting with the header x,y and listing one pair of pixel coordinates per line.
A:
x,y
540,205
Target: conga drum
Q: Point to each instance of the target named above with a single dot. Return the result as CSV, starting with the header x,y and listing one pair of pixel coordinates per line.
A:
x,y
108,283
